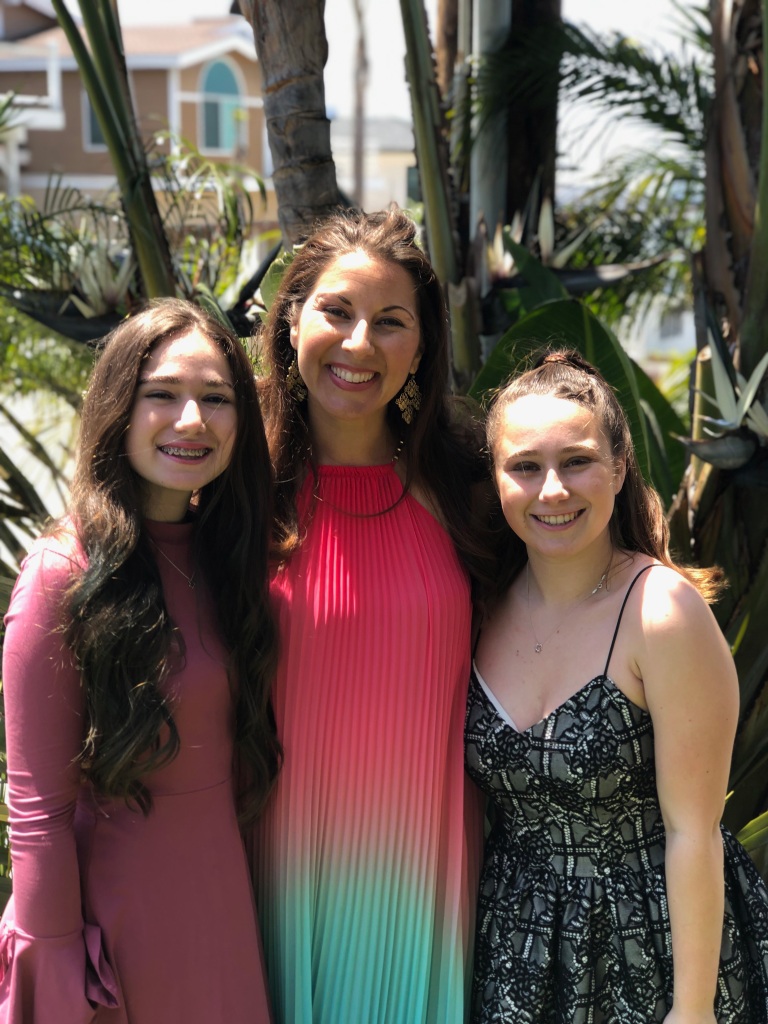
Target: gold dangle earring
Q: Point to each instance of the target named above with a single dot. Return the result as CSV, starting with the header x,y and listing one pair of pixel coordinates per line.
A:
x,y
295,382
409,399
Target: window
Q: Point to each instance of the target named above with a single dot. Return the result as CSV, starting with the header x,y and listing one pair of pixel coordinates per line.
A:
x,y
222,110
92,133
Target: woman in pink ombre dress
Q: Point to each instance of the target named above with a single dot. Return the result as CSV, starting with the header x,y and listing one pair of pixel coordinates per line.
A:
x,y
136,670
366,859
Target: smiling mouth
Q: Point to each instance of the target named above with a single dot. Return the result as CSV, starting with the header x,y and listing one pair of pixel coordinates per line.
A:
x,y
350,377
559,520
185,453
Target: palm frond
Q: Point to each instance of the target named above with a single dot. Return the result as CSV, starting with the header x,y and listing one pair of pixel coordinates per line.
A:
x,y
610,72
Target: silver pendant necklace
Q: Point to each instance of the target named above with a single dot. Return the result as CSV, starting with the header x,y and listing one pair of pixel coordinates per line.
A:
x,y
190,579
538,645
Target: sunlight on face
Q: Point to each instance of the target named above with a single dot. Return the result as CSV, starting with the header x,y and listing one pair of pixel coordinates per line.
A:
x,y
555,473
357,337
183,423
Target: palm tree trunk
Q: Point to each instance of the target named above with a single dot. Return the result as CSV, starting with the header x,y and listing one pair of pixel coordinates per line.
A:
x,y
446,43
292,47
532,136
361,81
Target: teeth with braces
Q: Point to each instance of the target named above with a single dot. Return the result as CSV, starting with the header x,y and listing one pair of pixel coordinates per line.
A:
x,y
185,453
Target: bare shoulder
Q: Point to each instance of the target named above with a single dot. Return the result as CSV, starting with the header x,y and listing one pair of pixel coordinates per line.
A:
x,y
672,608
667,596
677,638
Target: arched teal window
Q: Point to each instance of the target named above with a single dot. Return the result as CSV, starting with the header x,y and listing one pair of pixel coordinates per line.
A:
x,y
221,107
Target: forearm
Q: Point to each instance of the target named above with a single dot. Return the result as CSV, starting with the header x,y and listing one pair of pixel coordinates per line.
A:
x,y
46,880
695,893
44,710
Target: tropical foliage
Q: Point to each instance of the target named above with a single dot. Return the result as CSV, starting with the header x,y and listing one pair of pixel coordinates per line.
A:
x,y
681,221
692,218
685,220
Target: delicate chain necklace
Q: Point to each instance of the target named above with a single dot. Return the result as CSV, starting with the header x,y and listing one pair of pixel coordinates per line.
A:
x,y
190,579
538,646
395,455
361,515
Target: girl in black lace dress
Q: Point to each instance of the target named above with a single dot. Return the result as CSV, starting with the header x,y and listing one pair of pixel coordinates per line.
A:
x,y
602,711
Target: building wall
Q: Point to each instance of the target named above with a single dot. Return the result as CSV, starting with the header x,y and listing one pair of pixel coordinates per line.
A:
x,y
385,175
150,98
162,99
28,83
66,153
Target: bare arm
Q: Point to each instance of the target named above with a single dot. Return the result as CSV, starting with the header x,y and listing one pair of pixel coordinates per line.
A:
x,y
692,692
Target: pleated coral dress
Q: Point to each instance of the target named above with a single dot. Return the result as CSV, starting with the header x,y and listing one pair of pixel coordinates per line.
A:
x,y
367,859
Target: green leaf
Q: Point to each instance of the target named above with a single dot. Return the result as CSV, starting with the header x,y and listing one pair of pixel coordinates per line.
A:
x,y
755,833
724,393
541,284
569,323
660,474
749,392
271,280
207,301
667,457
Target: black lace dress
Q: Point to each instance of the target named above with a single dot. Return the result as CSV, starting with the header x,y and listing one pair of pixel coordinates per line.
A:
x,y
573,923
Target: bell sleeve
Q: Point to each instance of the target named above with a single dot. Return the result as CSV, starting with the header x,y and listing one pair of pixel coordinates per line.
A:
x,y
52,966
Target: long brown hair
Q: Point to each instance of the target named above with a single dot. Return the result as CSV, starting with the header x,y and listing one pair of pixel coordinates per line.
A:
x,y
638,522
444,441
119,628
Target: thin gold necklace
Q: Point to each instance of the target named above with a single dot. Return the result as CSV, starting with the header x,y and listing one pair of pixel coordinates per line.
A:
x,y
190,579
538,646
361,515
395,455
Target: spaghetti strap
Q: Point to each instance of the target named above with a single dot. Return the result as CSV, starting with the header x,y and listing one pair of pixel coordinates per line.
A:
x,y
621,612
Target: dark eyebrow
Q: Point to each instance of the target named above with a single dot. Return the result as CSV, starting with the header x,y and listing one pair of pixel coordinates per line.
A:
x,y
347,302
212,382
528,453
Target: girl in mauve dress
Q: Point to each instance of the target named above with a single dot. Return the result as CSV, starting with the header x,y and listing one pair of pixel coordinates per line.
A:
x,y
137,660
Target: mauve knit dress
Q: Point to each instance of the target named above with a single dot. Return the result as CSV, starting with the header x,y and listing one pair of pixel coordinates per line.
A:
x,y
118,918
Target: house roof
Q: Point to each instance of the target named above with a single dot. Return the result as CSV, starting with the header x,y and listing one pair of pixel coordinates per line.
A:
x,y
156,47
42,6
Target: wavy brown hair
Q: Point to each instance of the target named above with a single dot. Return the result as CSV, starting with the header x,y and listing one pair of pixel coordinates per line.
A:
x,y
443,444
638,522
119,628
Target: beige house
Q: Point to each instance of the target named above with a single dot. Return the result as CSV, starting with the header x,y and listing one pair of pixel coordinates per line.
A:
x,y
200,80
389,164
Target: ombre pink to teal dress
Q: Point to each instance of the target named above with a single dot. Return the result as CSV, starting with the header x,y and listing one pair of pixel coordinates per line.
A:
x,y
367,858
